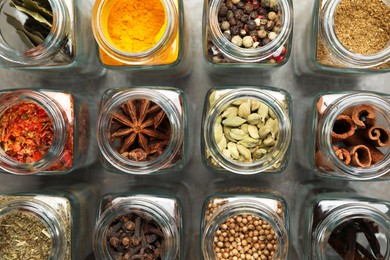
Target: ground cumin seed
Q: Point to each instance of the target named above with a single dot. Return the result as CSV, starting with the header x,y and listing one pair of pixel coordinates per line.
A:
x,y
363,26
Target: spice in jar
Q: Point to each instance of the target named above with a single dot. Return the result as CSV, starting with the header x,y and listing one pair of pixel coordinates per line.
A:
x,y
362,27
26,132
244,236
135,236
142,128
246,130
357,139
249,25
32,21
24,236
356,239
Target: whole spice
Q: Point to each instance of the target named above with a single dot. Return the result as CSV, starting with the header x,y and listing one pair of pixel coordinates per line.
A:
x,y
362,27
246,130
24,236
366,247
244,236
26,132
249,24
135,26
142,128
355,132
135,236
34,26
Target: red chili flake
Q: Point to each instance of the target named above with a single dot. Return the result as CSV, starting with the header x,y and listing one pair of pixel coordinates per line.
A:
x,y
279,59
26,132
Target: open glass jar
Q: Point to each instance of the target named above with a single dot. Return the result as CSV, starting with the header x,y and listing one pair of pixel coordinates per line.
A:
x,y
350,135
143,130
244,226
44,132
156,41
51,36
343,42
46,226
246,130
336,225
136,224
247,33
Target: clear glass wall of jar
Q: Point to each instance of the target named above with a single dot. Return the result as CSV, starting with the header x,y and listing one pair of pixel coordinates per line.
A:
x,y
337,224
147,224
254,226
51,37
166,54
339,44
350,135
246,130
248,34
44,132
143,130
47,226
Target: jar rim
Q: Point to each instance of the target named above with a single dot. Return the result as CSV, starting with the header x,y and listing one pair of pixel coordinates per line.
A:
x,y
46,214
238,207
249,55
327,121
145,207
328,34
284,135
139,167
102,39
60,126
341,214
50,46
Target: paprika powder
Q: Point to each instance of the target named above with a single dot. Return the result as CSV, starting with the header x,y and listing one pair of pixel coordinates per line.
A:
x,y
131,34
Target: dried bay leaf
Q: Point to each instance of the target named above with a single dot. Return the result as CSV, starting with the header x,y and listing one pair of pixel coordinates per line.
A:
x,y
45,12
38,17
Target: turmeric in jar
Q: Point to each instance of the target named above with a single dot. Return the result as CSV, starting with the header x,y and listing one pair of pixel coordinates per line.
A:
x,y
134,26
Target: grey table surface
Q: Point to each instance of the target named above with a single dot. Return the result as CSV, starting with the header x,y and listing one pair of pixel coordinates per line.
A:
x,y
198,182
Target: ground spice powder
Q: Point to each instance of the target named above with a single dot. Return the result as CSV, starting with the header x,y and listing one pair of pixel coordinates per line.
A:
x,y
136,26
362,26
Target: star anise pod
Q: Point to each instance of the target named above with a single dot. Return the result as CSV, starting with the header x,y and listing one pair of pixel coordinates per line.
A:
x,y
142,124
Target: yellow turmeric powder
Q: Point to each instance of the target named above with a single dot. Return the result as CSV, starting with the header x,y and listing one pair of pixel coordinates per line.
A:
x,y
135,25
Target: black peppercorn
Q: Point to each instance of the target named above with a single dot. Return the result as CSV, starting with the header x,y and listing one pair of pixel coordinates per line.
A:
x,y
248,8
223,10
251,25
234,8
232,21
240,24
256,4
228,36
240,5
254,36
270,25
221,18
262,11
234,30
238,14
265,41
245,18
229,4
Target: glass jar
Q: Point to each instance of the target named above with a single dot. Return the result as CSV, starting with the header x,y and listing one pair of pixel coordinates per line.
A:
x,y
350,136
57,218
58,136
258,137
337,224
262,219
339,42
48,36
151,140
222,42
164,53
141,218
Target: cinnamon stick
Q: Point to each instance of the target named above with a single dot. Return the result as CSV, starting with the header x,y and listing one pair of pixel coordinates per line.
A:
x,y
378,135
360,156
362,115
357,139
342,154
343,128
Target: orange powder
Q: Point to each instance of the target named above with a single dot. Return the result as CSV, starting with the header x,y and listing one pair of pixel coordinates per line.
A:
x,y
135,25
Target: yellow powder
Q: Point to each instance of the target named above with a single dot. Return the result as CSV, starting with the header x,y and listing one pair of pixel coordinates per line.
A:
x,y
135,25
